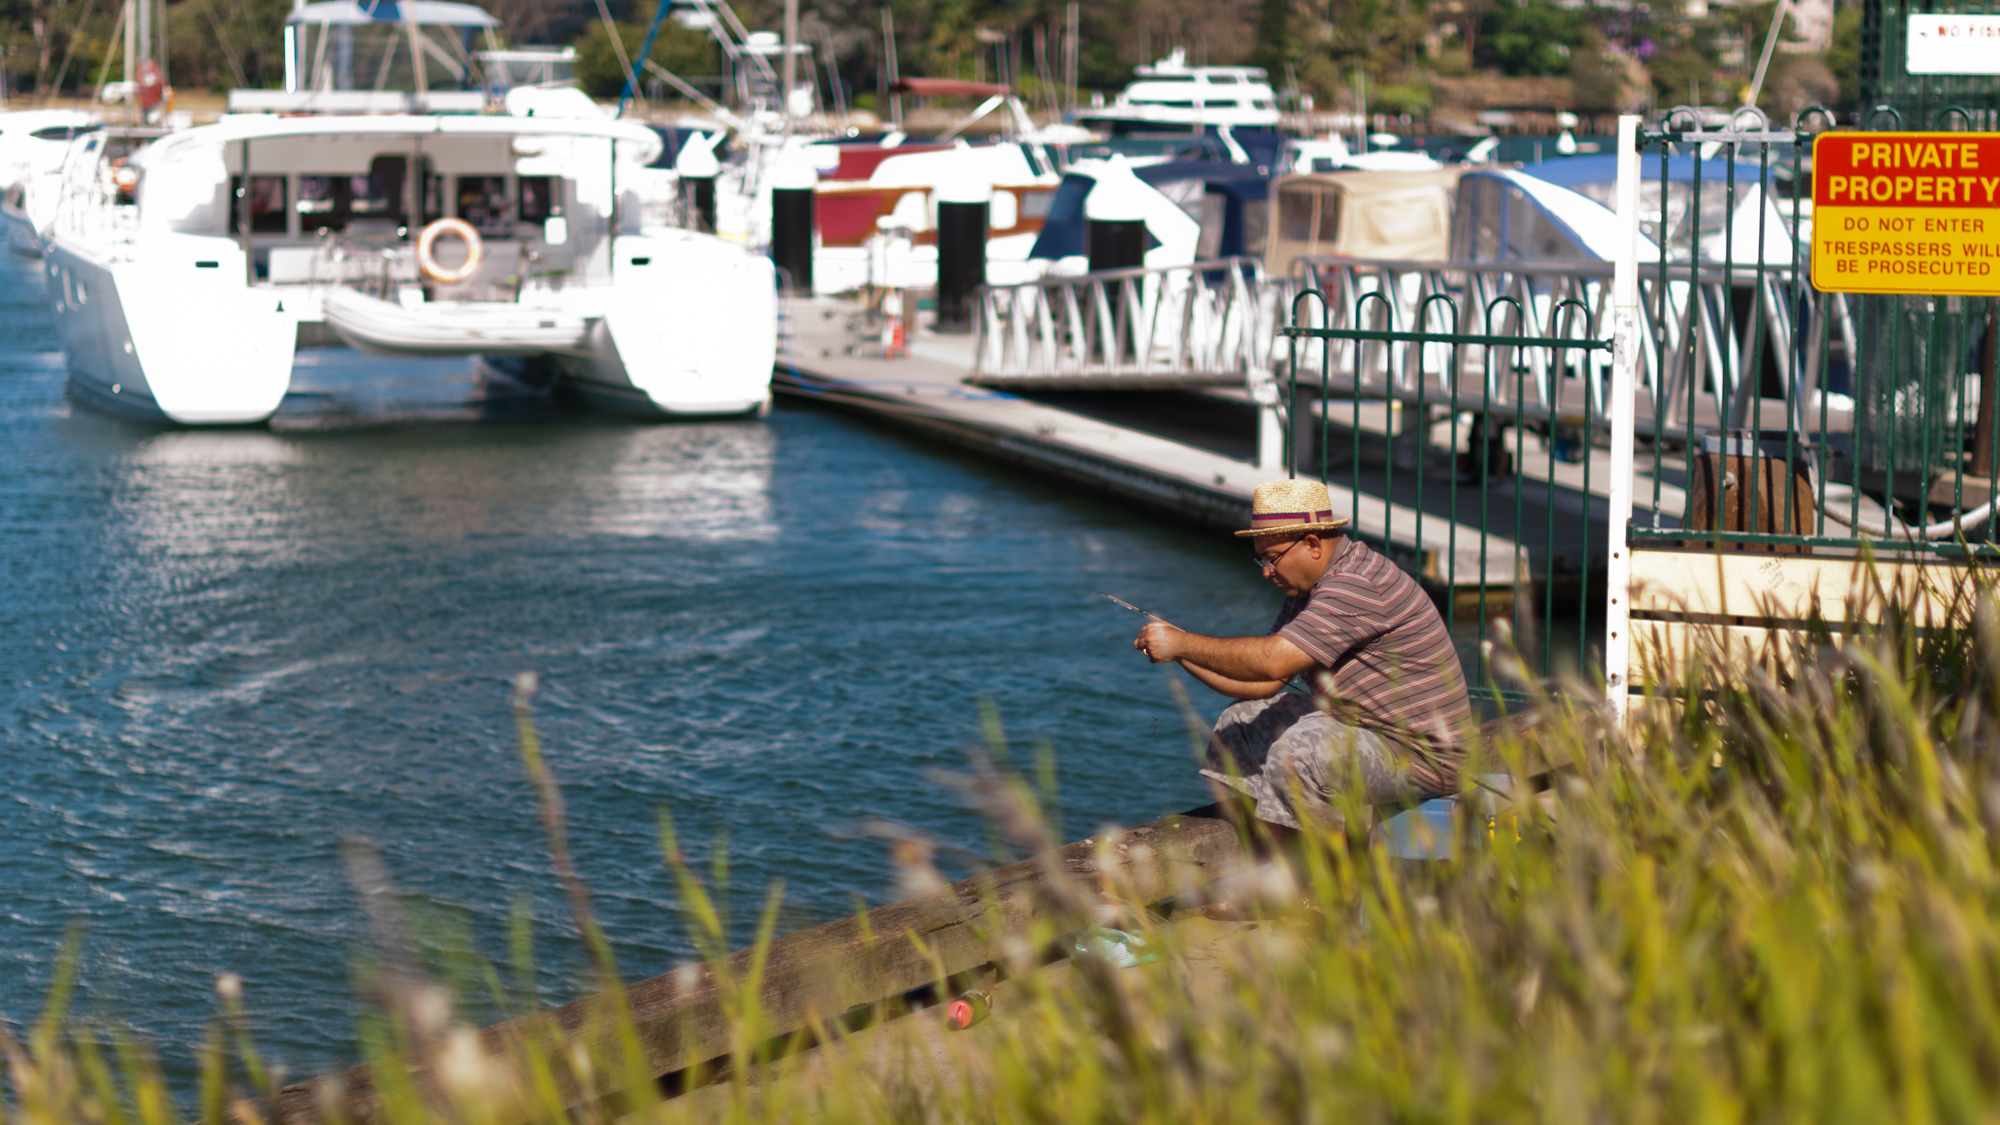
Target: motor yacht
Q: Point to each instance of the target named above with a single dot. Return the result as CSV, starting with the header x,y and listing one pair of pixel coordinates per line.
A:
x,y
1169,102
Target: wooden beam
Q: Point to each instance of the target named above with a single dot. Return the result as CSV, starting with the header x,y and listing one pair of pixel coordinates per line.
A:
x,y
1792,587
1662,650
684,1018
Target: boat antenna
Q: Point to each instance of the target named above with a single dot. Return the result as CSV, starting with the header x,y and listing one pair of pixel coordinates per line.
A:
x,y
645,52
889,49
104,71
1075,49
1764,60
132,66
833,78
617,45
62,72
791,67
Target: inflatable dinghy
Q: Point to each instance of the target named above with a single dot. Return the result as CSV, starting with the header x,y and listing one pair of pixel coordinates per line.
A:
x,y
446,328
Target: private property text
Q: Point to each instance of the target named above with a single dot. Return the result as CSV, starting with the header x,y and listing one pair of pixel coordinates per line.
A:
x,y
1906,213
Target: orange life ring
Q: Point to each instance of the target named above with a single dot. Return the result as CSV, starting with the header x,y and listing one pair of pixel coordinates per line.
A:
x,y
427,241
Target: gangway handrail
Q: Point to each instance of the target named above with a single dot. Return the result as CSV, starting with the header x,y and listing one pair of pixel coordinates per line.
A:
x,y
1211,322
1681,304
1593,268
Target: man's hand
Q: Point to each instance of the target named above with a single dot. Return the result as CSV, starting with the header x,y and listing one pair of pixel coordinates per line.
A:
x,y
1243,667
1163,643
1160,642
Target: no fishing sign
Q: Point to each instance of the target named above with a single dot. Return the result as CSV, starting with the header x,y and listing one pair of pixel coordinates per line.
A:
x,y
1906,213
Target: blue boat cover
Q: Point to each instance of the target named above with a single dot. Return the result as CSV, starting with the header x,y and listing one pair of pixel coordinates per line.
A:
x,y
1063,233
1570,171
1238,180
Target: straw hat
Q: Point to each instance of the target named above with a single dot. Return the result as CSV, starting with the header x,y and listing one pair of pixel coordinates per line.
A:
x,y
1282,507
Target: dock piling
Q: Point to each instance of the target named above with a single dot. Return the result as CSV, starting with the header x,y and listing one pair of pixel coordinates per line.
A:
x,y
961,242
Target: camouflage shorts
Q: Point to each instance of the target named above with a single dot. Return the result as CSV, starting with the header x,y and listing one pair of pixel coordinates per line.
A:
x,y
1292,758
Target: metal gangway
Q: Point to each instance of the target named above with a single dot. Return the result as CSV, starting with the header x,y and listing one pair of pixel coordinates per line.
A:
x,y
1713,342
1713,339
1208,324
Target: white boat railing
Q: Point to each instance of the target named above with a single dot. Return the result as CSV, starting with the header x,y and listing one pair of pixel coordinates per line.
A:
x,y
383,268
90,207
1212,323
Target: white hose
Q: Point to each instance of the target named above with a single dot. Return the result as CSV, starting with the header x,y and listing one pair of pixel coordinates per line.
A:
x,y
1897,528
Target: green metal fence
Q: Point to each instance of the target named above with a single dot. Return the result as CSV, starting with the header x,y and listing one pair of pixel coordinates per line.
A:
x,y
1455,432
1892,97
1470,413
1867,423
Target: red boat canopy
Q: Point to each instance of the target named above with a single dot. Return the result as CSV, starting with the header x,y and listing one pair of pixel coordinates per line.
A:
x,y
946,88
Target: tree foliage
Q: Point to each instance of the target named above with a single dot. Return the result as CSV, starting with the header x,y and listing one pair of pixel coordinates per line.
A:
x,y
686,53
1326,47
1532,37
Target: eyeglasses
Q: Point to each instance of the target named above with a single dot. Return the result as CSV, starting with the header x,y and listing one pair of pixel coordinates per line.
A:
x,y
1263,564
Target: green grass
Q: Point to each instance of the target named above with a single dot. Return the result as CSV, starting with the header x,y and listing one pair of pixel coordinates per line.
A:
x,y
1776,899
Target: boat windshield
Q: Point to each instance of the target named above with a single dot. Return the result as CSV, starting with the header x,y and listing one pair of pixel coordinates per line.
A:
x,y
377,56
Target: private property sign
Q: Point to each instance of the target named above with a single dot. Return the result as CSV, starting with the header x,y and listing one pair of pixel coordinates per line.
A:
x,y
1906,213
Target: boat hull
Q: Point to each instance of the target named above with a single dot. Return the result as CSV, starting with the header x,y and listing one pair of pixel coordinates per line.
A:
x,y
694,338
174,344
690,330
22,237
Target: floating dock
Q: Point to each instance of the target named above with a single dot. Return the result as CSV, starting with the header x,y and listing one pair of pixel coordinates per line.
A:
x,y
926,391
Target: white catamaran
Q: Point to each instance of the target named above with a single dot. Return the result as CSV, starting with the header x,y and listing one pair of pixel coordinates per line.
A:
x,y
32,146
190,278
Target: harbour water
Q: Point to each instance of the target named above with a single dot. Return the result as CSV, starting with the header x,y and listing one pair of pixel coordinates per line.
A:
x,y
229,651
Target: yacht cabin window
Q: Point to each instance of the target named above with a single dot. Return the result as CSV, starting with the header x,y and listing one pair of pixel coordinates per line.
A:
x,y
482,201
1496,221
374,203
1305,215
326,202
268,210
1256,220
379,194
539,202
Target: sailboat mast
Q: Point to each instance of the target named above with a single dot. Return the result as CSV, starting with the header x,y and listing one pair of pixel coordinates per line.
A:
x,y
131,62
791,62
889,53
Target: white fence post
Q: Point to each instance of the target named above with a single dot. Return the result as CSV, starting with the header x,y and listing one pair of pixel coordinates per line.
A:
x,y
1624,362
1270,421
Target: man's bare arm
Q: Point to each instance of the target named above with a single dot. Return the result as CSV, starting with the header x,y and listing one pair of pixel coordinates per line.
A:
x,y
1234,689
1246,660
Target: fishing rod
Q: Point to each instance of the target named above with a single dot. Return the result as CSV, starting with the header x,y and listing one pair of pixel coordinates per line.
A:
x,y
1290,685
1133,608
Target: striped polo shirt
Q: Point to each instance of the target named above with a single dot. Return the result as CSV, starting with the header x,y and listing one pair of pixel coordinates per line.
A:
x,y
1385,658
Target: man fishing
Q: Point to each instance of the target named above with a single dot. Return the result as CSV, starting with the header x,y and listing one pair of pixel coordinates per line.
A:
x,y
1388,693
